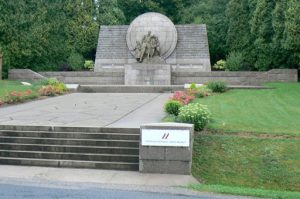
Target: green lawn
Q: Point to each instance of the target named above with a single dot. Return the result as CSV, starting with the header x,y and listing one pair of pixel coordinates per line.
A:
x,y
9,86
264,193
273,111
267,163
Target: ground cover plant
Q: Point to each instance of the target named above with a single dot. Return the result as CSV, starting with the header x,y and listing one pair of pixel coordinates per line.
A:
x,y
264,193
251,141
272,111
15,92
267,163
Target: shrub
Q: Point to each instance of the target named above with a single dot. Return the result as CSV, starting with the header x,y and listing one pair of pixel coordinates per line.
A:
x,y
52,81
220,65
65,67
89,64
203,91
193,86
217,86
61,88
48,91
196,114
183,97
76,61
172,107
234,61
1,102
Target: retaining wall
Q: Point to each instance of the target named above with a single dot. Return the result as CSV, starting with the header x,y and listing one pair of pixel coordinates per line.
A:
x,y
24,74
179,76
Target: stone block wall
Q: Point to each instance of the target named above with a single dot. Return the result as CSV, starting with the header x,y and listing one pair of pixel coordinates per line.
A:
x,y
180,76
192,48
24,74
104,77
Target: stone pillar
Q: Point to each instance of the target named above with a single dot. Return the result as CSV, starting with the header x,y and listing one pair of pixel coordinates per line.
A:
x,y
166,148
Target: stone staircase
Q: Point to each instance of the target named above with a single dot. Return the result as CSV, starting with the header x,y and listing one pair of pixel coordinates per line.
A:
x,y
97,148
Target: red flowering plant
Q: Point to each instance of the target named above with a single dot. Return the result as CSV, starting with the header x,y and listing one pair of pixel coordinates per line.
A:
x,y
183,97
14,97
19,96
1,102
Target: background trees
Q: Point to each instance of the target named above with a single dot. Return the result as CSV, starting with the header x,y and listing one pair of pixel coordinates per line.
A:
x,y
43,35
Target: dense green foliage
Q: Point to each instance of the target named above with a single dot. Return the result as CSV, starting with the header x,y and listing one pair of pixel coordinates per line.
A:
x,y
266,32
41,35
258,162
196,114
217,86
172,107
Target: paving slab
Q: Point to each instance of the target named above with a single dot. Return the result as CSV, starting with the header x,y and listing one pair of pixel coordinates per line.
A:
x,y
39,182
87,110
93,176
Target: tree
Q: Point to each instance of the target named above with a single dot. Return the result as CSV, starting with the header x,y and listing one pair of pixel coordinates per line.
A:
x,y
238,17
261,27
81,27
280,55
109,13
211,13
171,8
292,32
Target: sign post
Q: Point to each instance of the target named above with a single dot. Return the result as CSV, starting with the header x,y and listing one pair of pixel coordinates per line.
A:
x,y
166,148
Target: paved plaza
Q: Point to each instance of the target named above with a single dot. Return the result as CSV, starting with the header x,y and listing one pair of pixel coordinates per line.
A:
x,y
88,110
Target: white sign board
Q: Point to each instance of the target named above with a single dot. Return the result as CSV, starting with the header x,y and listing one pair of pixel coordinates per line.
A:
x,y
165,137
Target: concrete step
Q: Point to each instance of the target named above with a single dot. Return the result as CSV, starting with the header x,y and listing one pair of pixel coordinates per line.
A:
x,y
70,156
70,163
70,129
129,88
63,141
76,135
70,148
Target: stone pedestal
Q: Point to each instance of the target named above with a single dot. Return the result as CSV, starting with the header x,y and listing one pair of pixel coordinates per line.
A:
x,y
147,74
166,148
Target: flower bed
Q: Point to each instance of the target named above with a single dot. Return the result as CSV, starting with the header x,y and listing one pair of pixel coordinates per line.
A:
x,y
15,92
181,107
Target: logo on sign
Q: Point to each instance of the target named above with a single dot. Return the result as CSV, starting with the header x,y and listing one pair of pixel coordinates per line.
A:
x,y
165,137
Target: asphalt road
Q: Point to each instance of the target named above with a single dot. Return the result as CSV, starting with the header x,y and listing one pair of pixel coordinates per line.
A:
x,y
10,191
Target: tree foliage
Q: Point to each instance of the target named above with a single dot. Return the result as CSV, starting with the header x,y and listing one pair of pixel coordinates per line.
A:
x,y
42,34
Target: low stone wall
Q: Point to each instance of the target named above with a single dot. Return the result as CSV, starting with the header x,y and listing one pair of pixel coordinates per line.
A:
x,y
24,74
105,77
180,77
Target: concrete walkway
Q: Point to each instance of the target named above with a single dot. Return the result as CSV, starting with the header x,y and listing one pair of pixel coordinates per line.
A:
x,y
93,176
41,182
88,110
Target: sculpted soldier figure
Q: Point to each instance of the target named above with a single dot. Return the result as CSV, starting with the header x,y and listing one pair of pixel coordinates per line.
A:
x,y
149,46
145,46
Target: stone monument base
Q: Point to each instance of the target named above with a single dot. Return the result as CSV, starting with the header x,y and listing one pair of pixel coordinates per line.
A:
x,y
147,74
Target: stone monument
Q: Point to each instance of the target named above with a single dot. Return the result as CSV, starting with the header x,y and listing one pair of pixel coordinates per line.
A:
x,y
151,48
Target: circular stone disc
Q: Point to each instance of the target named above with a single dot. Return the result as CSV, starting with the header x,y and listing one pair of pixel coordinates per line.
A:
x,y
159,25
